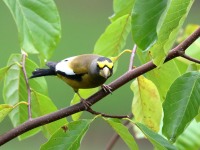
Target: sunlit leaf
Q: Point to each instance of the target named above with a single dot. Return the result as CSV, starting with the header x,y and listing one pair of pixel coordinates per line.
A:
x,y
123,133
193,67
38,25
69,136
189,139
172,21
160,74
197,118
113,39
189,29
146,105
157,140
145,18
39,107
85,93
193,49
121,8
181,104
5,109
3,72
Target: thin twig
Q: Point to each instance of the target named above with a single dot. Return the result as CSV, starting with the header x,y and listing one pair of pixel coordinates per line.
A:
x,y
132,57
122,80
116,136
24,55
106,115
190,58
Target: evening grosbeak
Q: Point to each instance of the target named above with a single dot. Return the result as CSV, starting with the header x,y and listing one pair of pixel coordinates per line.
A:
x,y
80,72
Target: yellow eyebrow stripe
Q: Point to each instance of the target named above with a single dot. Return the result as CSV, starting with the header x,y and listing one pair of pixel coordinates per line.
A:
x,y
102,64
110,65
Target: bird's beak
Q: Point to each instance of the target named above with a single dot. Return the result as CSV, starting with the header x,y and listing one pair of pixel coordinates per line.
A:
x,y
105,72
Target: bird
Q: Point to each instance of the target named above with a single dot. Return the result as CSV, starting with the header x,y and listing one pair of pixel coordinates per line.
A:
x,y
80,72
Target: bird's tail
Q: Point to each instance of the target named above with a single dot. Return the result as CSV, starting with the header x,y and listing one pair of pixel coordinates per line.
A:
x,y
44,72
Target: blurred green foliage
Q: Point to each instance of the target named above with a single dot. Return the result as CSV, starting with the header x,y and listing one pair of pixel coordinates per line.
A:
x,y
82,24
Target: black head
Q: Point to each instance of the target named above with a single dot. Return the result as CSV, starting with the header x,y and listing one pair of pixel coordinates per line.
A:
x,y
105,66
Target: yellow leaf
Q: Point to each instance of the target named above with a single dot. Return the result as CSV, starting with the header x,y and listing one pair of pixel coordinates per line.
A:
x,y
146,105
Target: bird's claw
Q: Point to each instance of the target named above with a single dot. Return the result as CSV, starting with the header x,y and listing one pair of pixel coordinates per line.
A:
x,y
106,88
86,104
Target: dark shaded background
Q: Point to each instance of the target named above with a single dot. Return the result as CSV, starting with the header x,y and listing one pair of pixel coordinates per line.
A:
x,y
83,22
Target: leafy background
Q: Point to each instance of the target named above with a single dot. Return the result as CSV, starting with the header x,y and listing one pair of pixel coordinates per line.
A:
x,y
82,24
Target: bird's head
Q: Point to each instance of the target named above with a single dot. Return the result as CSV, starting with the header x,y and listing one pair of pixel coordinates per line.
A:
x,y
103,67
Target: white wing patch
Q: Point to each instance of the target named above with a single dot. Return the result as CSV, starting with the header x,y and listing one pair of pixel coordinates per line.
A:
x,y
63,66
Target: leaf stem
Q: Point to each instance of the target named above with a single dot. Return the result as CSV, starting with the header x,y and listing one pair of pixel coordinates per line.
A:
x,y
22,102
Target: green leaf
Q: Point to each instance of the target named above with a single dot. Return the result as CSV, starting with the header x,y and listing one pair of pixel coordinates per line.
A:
x,y
159,75
39,108
15,91
157,140
181,104
38,24
123,133
197,118
113,39
146,105
189,29
167,31
69,136
193,67
193,49
85,93
121,8
145,19
189,139
3,71
5,109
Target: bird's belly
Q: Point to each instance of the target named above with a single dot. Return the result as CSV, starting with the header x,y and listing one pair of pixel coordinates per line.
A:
x,y
85,82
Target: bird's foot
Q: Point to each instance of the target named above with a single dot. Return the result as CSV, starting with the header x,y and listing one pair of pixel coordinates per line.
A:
x,y
106,88
86,103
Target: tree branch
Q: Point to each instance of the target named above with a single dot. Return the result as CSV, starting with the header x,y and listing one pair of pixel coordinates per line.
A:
x,y
190,58
24,55
182,47
132,57
105,115
126,77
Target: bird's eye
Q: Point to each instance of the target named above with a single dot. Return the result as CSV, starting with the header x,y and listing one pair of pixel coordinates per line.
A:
x,y
66,60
